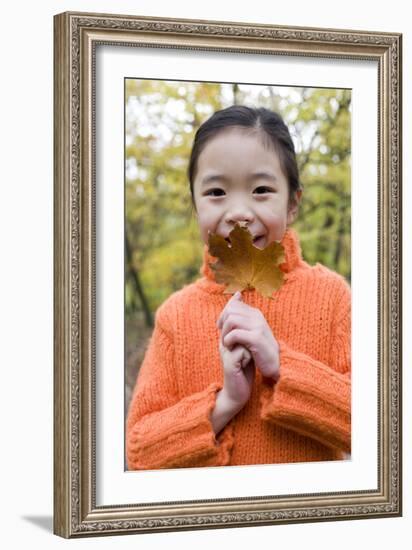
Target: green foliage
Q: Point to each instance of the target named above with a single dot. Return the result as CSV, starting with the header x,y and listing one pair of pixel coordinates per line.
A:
x,y
161,119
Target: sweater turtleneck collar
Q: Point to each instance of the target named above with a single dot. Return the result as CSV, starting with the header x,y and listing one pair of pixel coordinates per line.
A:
x,y
293,258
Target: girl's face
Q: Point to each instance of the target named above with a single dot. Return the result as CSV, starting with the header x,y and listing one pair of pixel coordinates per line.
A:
x,y
239,179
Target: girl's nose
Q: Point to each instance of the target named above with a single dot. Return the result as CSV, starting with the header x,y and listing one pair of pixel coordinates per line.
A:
x,y
239,215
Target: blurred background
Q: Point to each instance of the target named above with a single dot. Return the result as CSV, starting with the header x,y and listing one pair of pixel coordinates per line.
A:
x,y
163,249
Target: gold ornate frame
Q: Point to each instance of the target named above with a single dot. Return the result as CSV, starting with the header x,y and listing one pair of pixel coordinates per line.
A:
x,y
75,38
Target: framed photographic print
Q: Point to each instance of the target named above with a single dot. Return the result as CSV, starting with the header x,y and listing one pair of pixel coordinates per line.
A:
x,y
140,106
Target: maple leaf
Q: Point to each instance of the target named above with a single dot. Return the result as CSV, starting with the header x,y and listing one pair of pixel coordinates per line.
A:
x,y
243,266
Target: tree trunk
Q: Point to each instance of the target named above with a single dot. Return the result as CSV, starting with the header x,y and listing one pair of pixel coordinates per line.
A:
x,y
137,285
339,240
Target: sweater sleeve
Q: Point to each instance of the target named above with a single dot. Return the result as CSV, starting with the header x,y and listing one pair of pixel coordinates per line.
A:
x,y
313,398
163,431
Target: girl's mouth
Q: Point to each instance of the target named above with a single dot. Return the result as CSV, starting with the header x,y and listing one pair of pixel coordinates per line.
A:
x,y
256,240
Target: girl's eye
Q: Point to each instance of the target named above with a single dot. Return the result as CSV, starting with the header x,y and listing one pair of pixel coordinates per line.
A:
x,y
214,191
263,189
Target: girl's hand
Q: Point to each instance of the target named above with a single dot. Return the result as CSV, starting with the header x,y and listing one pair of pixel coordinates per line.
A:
x,y
244,325
239,373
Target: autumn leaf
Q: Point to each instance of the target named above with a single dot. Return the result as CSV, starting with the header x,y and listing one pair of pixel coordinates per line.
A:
x,y
242,266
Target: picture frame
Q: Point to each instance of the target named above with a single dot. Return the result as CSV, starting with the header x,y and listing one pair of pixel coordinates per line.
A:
x,y
78,511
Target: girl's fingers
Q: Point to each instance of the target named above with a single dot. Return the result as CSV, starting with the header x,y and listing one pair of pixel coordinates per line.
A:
x,y
246,357
235,303
238,336
241,355
235,321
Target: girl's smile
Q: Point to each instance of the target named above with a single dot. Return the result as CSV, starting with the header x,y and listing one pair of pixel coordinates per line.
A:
x,y
239,179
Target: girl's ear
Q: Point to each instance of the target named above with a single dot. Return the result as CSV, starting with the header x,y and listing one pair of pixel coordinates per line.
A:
x,y
293,207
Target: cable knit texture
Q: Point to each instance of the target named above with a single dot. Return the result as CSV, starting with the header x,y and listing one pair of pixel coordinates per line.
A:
x,y
304,417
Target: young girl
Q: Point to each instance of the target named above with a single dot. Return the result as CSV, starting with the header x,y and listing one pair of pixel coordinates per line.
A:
x,y
244,379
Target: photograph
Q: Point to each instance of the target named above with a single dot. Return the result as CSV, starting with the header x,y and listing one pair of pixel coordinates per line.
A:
x,y
227,260
229,375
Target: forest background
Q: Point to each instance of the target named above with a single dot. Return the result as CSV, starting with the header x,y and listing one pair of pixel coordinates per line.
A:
x,y
163,249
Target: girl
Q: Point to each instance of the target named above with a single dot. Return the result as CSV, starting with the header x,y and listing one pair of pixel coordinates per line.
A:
x,y
244,379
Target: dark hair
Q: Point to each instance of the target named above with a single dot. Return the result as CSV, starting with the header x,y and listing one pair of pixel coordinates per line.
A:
x,y
268,123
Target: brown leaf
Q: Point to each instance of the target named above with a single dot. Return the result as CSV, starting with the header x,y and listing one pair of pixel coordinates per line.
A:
x,y
243,266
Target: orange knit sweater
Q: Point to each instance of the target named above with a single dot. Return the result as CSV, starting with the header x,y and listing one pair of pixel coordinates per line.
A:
x,y
305,416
